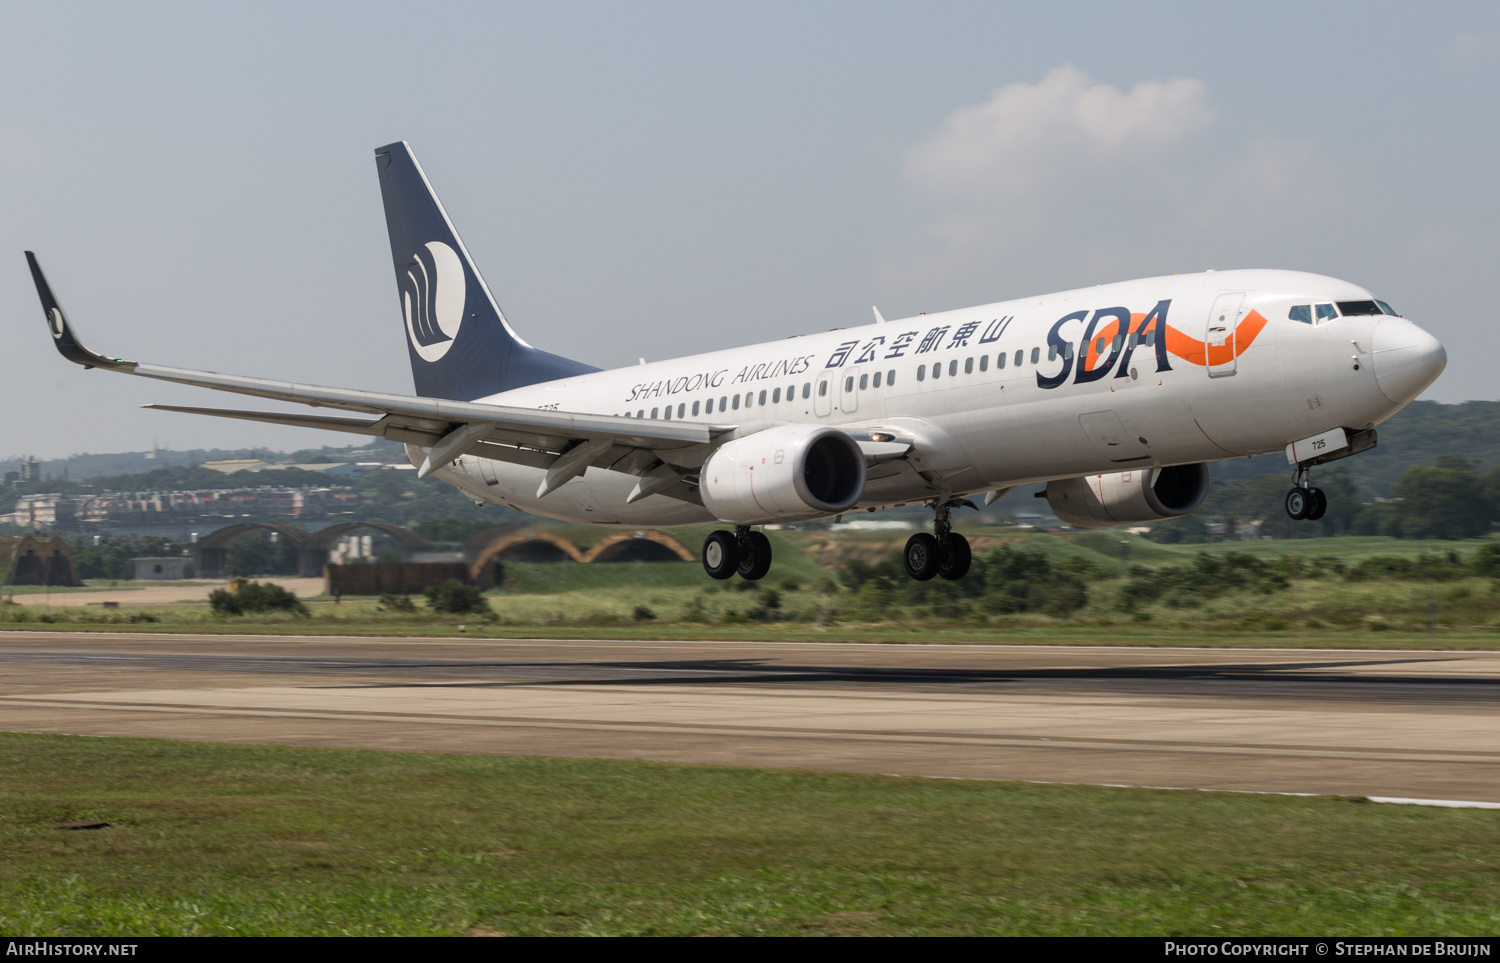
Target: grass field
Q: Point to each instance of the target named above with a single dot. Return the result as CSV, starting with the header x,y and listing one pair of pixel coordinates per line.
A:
x,y
1319,603
209,839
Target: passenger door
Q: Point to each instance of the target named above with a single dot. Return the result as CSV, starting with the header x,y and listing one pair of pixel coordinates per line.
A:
x,y
1220,353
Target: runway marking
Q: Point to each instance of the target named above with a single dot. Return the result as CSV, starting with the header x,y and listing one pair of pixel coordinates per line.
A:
x,y
470,641
1443,803
548,706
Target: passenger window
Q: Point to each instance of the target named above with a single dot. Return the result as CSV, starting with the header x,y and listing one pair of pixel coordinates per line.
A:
x,y
968,366
877,378
921,372
806,389
822,388
937,369
1051,352
1000,360
1098,346
1151,338
1119,342
682,409
849,383
1301,313
1067,351
641,413
653,413
776,397
736,402
1326,313
890,377
953,367
763,398
864,382
668,413
695,409
984,362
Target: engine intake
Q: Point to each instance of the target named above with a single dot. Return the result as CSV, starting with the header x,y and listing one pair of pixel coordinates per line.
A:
x,y
1129,497
790,473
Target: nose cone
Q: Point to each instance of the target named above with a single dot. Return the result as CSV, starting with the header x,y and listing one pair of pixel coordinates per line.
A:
x,y
1406,359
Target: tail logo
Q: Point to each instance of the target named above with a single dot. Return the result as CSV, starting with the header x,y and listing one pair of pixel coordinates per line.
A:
x,y
433,294
56,323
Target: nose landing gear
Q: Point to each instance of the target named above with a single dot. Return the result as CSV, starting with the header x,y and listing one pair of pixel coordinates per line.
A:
x,y
742,552
945,553
1303,502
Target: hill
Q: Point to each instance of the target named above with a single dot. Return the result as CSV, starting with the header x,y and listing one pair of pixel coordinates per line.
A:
x,y
1418,435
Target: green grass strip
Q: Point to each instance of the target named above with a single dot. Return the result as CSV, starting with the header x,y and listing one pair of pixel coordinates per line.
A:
x,y
214,839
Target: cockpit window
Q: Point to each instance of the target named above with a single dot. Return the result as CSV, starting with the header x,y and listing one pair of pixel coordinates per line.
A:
x,y
1356,308
1301,313
1326,313
1388,309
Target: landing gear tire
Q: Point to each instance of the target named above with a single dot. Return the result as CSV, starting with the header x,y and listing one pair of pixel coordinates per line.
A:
x,y
956,557
922,556
755,557
1319,504
721,555
1299,503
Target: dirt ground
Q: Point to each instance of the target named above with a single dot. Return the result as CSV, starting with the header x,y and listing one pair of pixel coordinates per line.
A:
x,y
157,594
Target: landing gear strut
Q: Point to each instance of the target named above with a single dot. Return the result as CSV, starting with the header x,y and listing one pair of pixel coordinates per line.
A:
x,y
1304,502
742,552
944,553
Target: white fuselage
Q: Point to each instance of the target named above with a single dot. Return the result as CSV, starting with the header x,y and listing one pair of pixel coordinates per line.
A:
x,y
980,424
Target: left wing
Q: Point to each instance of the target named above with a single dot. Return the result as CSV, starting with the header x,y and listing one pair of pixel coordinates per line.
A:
x,y
665,454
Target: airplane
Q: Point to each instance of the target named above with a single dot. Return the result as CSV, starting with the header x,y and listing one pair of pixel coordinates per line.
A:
x,y
1116,396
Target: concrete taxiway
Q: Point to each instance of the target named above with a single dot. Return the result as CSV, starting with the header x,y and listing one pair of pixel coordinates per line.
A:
x,y
1386,723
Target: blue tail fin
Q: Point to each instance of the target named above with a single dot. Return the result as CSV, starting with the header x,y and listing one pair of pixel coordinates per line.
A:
x,y
461,346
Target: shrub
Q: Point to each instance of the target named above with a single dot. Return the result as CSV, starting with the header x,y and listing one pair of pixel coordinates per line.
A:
x,y
455,598
396,603
642,614
1486,560
255,597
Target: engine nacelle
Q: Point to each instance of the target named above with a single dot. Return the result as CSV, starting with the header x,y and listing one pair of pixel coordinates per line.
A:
x,y
1129,497
790,473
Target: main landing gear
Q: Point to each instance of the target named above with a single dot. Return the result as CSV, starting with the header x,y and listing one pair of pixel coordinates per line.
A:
x,y
944,553
741,552
1304,502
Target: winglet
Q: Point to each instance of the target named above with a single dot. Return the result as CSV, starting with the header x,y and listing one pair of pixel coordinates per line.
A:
x,y
878,318
62,333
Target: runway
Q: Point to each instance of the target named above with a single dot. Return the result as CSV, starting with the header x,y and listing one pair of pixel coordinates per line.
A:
x,y
1388,723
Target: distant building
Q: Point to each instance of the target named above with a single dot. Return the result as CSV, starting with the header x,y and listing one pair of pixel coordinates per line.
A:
x,y
36,561
156,512
335,469
230,466
163,569
31,470
46,511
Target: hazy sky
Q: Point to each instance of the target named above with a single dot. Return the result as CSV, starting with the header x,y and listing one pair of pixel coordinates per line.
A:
x,y
656,179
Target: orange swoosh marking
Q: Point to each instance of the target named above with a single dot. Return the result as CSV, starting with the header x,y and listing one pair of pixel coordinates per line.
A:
x,y
1191,349
1181,345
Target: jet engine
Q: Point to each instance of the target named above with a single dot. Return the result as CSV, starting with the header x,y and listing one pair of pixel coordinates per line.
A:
x,y
790,473
1129,497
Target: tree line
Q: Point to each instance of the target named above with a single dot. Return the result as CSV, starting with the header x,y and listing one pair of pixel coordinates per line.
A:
x,y
1449,499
